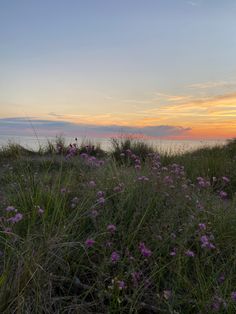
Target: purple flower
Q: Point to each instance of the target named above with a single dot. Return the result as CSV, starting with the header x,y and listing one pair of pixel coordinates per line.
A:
x,y
144,250
18,217
100,194
206,242
190,253
218,303
233,296
173,252
7,230
118,188
10,209
136,276
202,226
111,228
101,201
221,279
63,190
84,155
91,184
143,178
40,210
167,294
75,200
223,194
225,179
115,257
89,242
94,213
121,284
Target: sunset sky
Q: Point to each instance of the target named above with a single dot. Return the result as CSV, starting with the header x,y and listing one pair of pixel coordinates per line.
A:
x,y
155,67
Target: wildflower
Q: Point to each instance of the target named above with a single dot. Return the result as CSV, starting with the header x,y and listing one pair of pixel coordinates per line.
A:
x,y
221,279
89,242
111,228
118,188
136,276
84,155
223,194
233,296
121,284
225,179
101,201
7,230
137,161
100,194
190,253
18,217
63,190
206,243
137,167
10,209
91,184
164,168
218,303
144,250
128,152
167,294
173,252
168,180
40,210
115,257
75,200
94,213
143,178
202,226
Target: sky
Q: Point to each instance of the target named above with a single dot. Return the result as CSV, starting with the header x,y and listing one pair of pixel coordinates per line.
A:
x,y
162,68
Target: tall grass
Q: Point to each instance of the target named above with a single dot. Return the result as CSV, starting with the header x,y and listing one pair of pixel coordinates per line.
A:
x,y
141,234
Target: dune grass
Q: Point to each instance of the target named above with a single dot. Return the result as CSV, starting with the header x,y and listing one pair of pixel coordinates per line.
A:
x,y
132,231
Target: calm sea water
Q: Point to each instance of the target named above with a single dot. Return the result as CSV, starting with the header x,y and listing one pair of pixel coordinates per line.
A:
x,y
171,146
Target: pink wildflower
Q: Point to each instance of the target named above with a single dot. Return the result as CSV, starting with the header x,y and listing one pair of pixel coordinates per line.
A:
x,y
111,228
115,257
190,253
233,296
91,184
18,217
225,179
167,294
121,284
89,242
223,194
202,226
144,250
40,210
10,209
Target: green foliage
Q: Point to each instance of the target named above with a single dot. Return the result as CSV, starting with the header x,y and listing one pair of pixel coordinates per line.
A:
x,y
57,256
138,147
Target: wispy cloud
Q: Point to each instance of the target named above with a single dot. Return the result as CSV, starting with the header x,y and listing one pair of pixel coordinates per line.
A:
x,y
193,3
213,84
22,126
